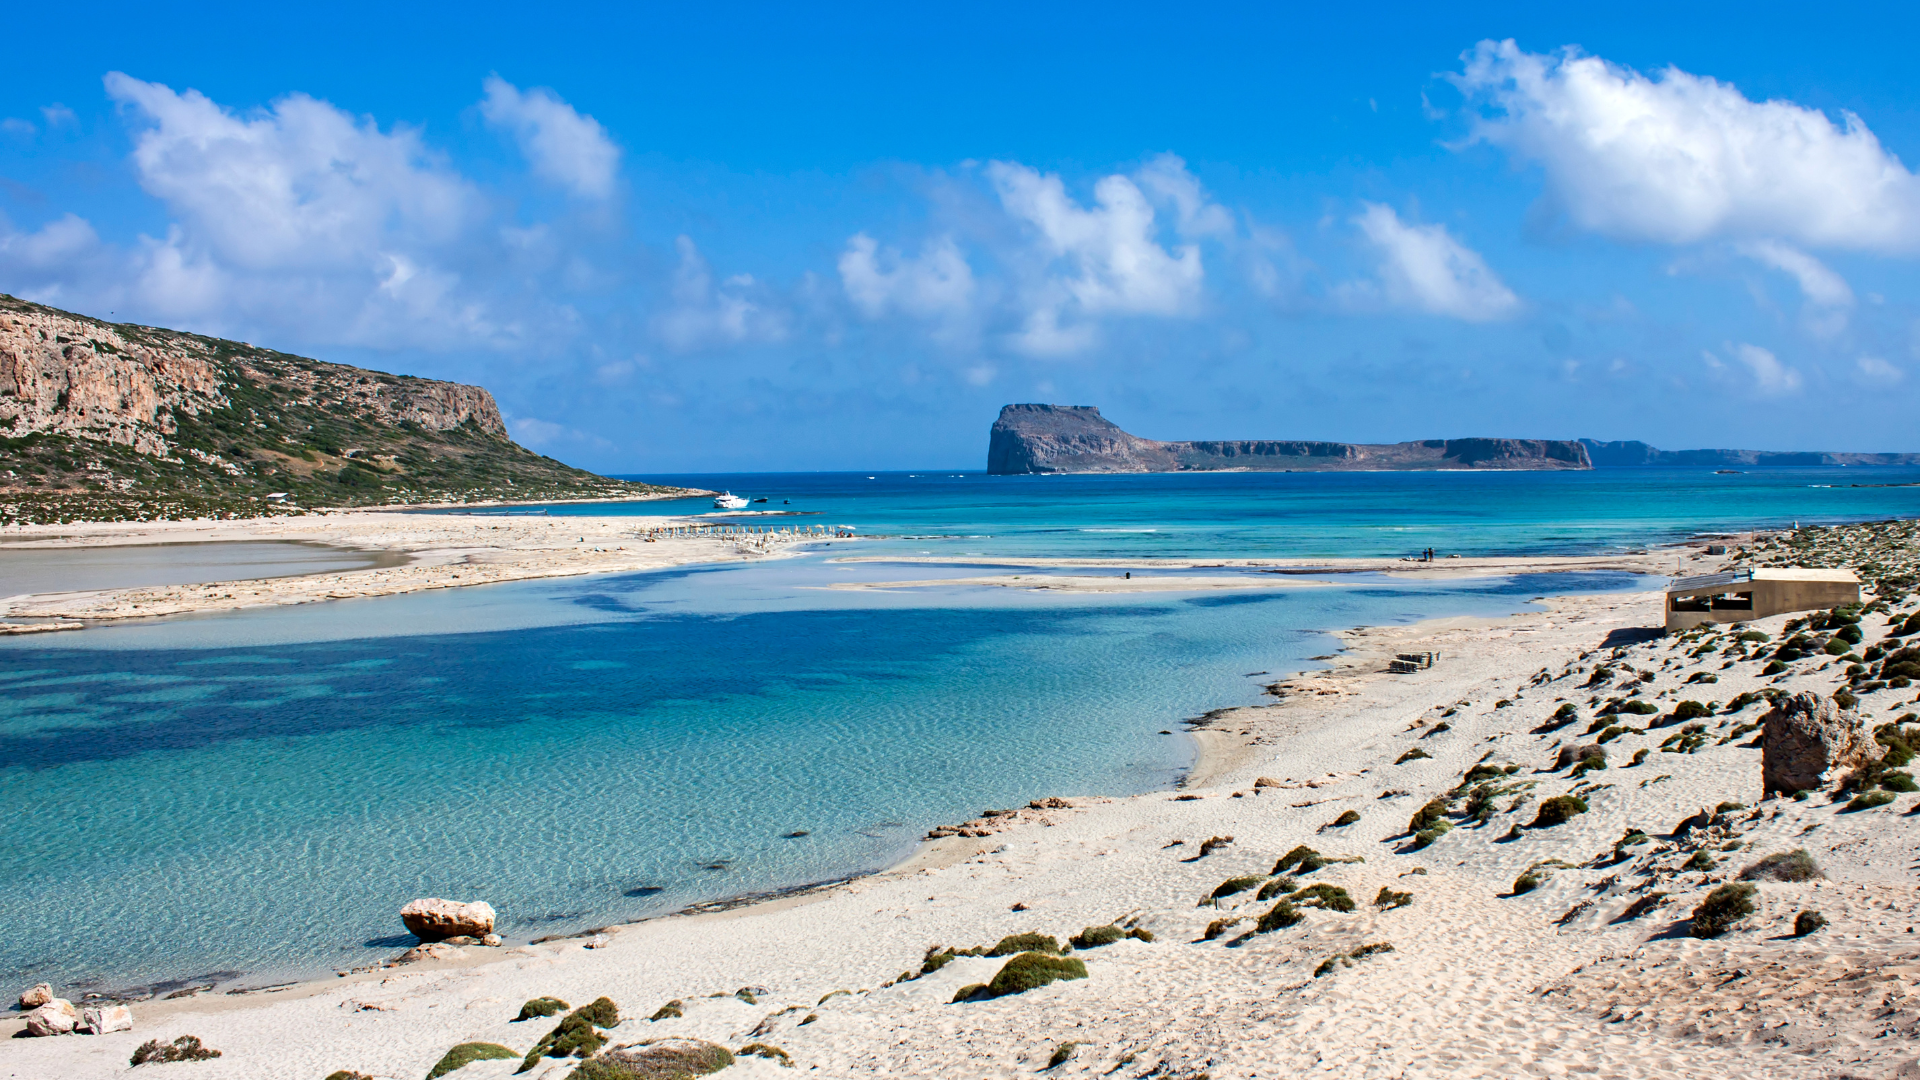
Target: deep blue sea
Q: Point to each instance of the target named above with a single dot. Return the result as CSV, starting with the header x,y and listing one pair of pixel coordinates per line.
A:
x,y
250,796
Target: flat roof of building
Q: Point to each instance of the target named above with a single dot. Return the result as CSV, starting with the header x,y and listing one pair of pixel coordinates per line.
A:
x,y
1764,573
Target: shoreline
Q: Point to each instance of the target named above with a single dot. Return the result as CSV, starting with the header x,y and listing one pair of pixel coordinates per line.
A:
x,y
1228,784
1497,959
1216,752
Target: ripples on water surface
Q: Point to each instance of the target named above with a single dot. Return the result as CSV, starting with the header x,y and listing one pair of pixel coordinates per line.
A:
x,y
261,791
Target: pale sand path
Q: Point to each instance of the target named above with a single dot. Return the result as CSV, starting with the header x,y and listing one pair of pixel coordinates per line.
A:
x,y
444,550
1480,983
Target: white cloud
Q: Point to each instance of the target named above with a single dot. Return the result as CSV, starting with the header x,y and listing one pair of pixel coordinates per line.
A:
x,y
877,280
534,432
15,126
1829,297
1423,267
563,146
1769,375
1875,370
297,221
1119,267
1196,216
299,184
705,315
1819,284
58,115
1680,158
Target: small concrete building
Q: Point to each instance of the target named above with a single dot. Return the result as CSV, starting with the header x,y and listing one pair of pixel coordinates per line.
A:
x,y
1755,593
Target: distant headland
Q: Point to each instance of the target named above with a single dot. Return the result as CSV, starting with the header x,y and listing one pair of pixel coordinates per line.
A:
x,y
108,421
1077,439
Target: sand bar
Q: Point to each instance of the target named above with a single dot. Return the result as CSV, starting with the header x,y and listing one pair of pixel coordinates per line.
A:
x,y
440,551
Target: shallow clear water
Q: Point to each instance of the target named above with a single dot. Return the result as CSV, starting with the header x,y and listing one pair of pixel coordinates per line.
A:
x,y
39,570
258,792
1312,514
267,809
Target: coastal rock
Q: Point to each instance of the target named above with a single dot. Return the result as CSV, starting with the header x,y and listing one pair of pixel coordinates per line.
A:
x,y
491,941
1807,738
103,1019
433,950
38,995
434,919
56,1017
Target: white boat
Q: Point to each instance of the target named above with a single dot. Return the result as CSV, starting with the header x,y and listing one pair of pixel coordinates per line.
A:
x,y
727,500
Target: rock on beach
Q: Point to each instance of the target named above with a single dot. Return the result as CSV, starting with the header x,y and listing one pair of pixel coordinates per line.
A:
x,y
104,1019
1807,738
434,919
38,995
56,1017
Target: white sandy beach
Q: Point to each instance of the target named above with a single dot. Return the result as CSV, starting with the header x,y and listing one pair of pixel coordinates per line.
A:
x,y
1557,982
440,550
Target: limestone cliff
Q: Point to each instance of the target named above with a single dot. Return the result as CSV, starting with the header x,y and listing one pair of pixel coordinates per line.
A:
x,y
1076,438
104,420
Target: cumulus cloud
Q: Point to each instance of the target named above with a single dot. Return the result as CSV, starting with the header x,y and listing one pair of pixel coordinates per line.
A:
x,y
1048,269
1679,158
1196,215
563,146
705,315
1117,264
877,280
1423,267
299,220
1765,371
302,183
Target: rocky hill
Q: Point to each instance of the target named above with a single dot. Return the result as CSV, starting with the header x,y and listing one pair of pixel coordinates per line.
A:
x,y
1621,453
1076,438
109,421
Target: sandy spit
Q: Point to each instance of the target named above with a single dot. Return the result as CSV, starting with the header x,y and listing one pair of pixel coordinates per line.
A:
x,y
440,551
1590,974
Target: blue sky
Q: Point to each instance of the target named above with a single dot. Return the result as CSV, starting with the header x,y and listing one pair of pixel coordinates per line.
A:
x,y
707,238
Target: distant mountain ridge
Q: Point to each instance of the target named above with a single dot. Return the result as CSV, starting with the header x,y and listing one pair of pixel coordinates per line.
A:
x,y
104,421
1035,438
1625,453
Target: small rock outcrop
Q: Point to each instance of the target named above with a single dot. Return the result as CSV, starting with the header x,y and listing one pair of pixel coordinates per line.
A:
x,y
1807,739
105,1019
434,919
56,1017
432,950
38,995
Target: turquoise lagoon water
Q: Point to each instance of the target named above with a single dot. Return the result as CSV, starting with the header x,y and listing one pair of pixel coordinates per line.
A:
x,y
1316,514
249,796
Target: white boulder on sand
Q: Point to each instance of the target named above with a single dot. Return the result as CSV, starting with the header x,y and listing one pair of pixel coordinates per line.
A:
x,y
104,1019
56,1017
39,995
433,919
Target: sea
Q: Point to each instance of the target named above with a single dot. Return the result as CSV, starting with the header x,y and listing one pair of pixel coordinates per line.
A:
x,y
241,799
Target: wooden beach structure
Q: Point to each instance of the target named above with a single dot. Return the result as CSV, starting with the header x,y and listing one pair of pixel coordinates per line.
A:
x,y
1755,593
